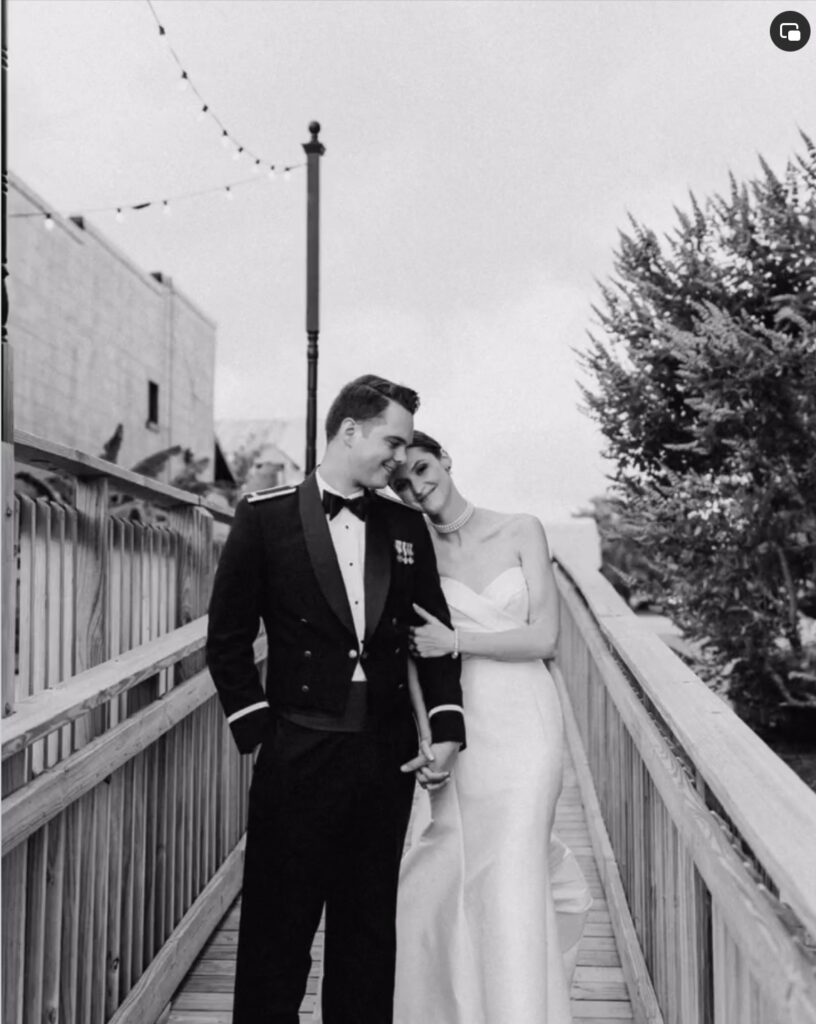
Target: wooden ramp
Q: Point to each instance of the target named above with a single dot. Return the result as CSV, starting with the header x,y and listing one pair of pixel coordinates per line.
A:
x,y
599,992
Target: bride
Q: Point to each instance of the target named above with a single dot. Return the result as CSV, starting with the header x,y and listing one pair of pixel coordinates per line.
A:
x,y
491,904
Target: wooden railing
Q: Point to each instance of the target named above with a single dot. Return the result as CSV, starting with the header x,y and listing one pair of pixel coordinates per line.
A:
x,y
707,838
124,798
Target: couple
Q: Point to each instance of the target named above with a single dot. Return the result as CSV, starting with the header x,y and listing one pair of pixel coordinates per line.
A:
x,y
345,581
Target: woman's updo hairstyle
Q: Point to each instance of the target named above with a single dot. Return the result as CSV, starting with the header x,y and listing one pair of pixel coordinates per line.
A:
x,y
427,444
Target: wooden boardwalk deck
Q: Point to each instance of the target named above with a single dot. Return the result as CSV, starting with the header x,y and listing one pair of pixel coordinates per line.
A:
x,y
599,992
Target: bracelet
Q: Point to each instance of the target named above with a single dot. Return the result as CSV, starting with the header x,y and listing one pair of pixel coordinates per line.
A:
x,y
455,652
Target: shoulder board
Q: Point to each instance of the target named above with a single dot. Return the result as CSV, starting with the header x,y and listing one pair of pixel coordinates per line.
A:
x,y
270,492
390,496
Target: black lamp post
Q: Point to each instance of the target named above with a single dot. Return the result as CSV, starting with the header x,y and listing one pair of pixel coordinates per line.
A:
x,y
314,150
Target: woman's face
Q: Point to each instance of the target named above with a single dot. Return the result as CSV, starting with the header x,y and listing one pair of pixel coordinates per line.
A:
x,y
422,481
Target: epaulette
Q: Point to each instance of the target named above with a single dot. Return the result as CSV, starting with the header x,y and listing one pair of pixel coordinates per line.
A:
x,y
270,492
390,496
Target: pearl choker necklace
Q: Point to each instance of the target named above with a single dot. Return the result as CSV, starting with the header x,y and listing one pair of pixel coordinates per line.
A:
x,y
457,523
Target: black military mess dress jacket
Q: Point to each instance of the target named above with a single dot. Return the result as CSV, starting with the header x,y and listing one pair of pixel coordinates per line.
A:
x,y
279,566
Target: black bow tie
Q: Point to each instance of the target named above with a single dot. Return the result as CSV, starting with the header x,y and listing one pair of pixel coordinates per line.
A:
x,y
332,503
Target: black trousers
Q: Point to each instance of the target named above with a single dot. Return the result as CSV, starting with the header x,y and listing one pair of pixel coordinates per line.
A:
x,y
328,813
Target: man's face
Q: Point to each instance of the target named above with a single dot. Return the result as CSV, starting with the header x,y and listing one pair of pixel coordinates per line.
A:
x,y
378,446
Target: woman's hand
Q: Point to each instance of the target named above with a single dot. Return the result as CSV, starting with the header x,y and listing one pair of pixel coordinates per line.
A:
x,y
434,639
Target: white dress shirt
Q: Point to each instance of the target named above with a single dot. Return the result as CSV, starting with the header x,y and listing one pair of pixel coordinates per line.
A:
x,y
348,534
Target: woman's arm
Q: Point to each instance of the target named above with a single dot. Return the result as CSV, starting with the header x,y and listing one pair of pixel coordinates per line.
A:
x,y
536,640
418,704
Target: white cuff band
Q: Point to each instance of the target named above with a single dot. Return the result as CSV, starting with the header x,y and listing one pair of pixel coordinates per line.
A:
x,y
245,711
445,707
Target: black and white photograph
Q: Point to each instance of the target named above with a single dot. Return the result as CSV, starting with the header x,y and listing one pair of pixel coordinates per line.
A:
x,y
409,512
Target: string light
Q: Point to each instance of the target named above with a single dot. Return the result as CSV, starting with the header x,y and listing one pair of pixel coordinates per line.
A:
x,y
203,110
120,209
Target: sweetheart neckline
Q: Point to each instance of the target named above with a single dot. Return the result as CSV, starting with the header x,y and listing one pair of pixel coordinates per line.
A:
x,y
484,589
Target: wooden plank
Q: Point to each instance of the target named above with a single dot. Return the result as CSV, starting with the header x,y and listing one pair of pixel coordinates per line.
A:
x,y
86,954
35,923
645,1007
599,984
115,874
39,622
37,451
154,989
25,543
72,899
53,919
600,1011
8,531
28,809
91,584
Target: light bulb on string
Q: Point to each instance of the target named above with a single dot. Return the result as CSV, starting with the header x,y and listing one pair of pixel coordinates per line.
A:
x,y
202,112
49,222
119,215
224,138
228,193
237,154
165,208
286,174
271,172
163,36
256,166
183,81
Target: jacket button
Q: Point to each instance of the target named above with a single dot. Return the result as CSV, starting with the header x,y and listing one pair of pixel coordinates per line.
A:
x,y
397,650
304,688
352,654
394,622
307,654
304,622
401,686
364,655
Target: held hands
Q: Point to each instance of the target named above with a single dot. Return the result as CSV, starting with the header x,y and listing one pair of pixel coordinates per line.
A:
x,y
433,764
434,639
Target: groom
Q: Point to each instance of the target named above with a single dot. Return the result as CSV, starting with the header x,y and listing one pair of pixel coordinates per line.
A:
x,y
332,570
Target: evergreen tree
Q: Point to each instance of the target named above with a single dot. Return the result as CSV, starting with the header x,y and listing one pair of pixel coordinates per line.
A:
x,y
705,389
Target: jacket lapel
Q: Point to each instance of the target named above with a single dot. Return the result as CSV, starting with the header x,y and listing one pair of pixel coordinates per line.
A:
x,y
321,551
377,567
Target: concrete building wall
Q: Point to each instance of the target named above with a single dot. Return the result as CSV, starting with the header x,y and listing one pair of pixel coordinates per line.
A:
x,y
89,330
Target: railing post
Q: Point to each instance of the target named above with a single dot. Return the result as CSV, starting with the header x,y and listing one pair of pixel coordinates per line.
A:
x,y
193,527
9,567
90,616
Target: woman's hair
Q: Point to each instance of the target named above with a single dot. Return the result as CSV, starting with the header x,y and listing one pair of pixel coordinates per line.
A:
x,y
426,443
365,398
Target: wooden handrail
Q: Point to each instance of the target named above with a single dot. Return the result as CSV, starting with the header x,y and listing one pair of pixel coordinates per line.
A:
x,y
50,709
42,713
37,451
770,806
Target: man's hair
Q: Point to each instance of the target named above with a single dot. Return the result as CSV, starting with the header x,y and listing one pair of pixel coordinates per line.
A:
x,y
365,398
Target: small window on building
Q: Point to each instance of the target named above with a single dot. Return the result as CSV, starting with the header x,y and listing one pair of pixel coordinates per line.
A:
x,y
152,404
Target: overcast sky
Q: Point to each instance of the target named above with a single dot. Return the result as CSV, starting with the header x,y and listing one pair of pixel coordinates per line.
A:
x,y
480,159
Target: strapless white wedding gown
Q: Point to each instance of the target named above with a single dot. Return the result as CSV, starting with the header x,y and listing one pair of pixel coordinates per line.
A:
x,y
491,904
